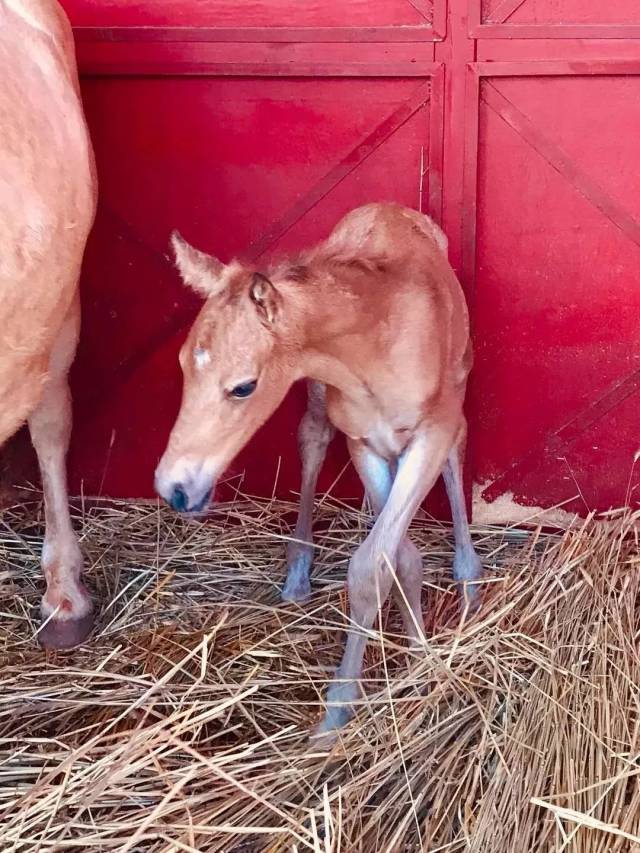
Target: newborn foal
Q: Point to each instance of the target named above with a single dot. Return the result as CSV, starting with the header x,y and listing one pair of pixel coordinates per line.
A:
x,y
375,318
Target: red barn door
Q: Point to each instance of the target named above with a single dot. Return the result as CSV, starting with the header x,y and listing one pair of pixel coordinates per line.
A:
x,y
552,235
251,141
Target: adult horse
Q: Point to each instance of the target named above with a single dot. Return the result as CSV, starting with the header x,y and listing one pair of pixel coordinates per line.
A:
x,y
47,204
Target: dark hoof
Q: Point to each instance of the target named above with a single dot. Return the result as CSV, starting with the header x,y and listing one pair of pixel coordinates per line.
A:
x,y
296,591
322,741
297,586
65,633
470,598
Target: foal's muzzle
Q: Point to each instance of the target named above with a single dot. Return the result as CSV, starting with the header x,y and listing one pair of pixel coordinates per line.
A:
x,y
178,500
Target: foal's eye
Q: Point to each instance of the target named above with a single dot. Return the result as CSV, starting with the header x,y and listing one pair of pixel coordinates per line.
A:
x,y
246,389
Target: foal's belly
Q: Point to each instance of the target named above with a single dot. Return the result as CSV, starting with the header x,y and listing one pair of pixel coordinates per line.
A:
x,y
386,434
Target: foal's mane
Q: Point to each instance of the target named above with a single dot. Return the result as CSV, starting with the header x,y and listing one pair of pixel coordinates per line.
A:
x,y
305,266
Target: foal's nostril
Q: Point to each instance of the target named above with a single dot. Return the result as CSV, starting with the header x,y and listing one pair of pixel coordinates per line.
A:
x,y
178,499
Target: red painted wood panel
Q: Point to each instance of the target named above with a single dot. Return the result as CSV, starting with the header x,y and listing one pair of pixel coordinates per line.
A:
x,y
557,299
249,13
253,127
560,12
223,160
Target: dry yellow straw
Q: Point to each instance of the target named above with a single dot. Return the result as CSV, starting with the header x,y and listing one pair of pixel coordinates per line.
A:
x,y
183,724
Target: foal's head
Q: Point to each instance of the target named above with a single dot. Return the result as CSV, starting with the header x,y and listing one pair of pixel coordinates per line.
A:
x,y
237,367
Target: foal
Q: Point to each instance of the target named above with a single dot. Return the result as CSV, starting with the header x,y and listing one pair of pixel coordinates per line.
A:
x,y
375,318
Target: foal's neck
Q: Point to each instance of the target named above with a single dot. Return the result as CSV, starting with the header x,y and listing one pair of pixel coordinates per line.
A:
x,y
325,316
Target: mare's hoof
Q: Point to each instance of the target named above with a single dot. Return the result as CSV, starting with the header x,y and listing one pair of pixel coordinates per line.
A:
x,y
66,633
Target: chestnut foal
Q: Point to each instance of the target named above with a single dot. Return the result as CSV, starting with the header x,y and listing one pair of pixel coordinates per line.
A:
x,y
375,318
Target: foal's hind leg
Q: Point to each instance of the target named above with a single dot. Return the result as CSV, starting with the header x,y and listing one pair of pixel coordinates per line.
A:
x,y
466,562
314,435
408,596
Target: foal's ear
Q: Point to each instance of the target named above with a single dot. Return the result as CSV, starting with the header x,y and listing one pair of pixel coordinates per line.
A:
x,y
265,297
199,271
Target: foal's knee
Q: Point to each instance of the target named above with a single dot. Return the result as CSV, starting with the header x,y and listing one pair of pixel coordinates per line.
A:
x,y
409,559
369,581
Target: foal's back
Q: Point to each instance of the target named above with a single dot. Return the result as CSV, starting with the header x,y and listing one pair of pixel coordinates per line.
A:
x,y
412,293
385,228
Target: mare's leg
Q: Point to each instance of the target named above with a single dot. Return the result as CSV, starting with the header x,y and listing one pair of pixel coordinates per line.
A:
x,y
369,577
466,562
50,427
314,435
377,477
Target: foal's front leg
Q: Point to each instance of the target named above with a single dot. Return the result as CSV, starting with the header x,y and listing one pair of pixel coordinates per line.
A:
x,y
369,576
377,476
314,435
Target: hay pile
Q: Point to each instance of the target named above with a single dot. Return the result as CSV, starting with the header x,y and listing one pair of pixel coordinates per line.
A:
x,y
182,725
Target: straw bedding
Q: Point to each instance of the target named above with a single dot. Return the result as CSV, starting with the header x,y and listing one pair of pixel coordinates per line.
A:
x,y
182,725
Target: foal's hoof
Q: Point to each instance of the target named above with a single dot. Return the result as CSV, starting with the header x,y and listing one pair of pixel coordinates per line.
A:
x,y
322,741
326,732
470,597
467,569
336,716
292,591
297,586
65,633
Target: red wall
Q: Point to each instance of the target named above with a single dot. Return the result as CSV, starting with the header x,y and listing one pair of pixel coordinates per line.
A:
x,y
252,127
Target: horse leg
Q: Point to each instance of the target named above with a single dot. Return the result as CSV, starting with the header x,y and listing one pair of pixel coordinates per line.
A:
x,y
369,577
466,562
314,435
66,603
